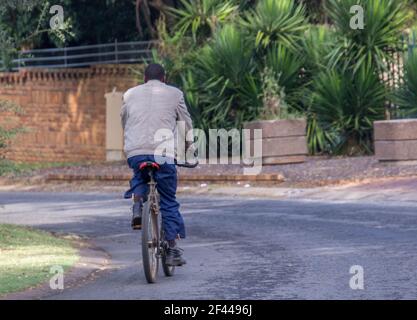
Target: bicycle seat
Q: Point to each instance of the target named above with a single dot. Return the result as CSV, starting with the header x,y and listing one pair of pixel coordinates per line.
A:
x,y
149,165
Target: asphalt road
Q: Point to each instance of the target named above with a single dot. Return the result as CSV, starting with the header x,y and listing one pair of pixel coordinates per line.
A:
x,y
240,248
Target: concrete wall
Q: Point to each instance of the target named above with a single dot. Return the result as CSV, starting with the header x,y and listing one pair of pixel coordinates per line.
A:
x,y
396,140
283,141
65,111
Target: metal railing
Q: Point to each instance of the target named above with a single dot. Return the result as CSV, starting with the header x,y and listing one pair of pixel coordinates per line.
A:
x,y
81,56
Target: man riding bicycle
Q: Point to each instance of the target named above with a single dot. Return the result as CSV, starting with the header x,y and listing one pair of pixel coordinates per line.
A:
x,y
146,109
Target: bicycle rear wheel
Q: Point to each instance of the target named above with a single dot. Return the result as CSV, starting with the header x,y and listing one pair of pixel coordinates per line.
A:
x,y
150,242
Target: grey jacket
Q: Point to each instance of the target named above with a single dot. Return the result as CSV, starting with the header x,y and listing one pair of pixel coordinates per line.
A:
x,y
148,108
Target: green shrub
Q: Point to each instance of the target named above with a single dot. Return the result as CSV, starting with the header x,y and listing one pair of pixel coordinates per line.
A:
x,y
287,64
226,71
340,108
345,106
275,21
201,18
239,63
385,21
406,95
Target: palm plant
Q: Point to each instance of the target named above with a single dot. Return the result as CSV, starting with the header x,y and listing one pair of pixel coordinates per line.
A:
x,y
316,45
225,69
287,63
275,21
315,11
345,105
174,51
384,22
346,100
285,67
201,18
406,95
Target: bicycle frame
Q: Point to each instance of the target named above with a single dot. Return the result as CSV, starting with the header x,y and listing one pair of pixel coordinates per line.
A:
x,y
154,245
153,194
160,244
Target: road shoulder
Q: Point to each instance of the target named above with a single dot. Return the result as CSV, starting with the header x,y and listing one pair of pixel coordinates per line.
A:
x,y
382,190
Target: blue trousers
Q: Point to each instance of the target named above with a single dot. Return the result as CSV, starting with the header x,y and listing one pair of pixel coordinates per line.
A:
x,y
166,184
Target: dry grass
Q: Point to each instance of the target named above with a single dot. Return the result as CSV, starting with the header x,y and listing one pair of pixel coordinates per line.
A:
x,y
26,256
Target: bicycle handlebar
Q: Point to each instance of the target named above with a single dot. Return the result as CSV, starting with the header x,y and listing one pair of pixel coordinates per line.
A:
x,y
186,164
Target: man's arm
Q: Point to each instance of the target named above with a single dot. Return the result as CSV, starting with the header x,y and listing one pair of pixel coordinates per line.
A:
x,y
123,113
184,115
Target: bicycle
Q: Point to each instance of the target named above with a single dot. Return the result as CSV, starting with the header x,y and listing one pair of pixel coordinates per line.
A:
x,y
154,245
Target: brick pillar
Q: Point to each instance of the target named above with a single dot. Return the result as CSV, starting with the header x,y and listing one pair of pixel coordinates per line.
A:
x,y
114,130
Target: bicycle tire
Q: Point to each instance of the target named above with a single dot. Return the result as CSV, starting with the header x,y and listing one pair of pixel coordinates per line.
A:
x,y
150,243
168,270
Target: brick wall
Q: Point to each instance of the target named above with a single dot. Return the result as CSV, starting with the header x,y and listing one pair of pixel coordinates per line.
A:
x,y
64,111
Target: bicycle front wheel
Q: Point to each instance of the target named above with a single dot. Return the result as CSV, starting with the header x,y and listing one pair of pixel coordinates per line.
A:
x,y
150,242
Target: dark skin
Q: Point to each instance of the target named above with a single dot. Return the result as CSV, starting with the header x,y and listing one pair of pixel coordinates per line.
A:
x,y
163,79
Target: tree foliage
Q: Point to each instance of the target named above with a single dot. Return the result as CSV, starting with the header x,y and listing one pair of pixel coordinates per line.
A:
x,y
24,25
265,61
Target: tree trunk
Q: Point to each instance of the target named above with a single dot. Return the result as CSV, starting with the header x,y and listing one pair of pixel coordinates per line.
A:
x,y
143,10
138,25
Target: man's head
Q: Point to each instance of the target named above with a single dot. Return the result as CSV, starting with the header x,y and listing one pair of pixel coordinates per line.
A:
x,y
154,71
